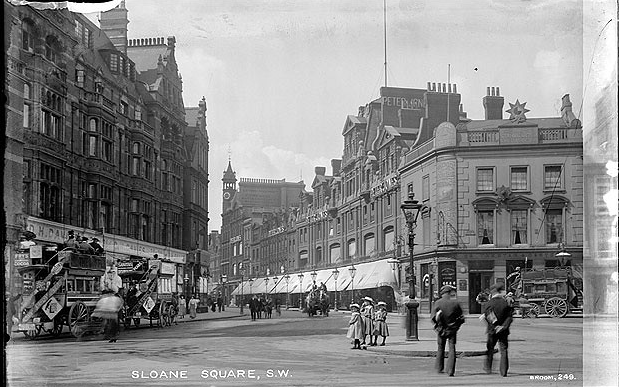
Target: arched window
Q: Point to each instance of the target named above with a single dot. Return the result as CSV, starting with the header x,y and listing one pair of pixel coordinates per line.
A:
x,y
92,125
335,254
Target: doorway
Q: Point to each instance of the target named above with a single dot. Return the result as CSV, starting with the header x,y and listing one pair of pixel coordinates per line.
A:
x,y
478,281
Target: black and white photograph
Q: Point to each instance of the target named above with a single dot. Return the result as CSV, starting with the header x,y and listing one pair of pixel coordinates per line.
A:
x,y
311,193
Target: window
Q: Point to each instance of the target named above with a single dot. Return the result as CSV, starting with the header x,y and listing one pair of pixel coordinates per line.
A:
x,y
334,253
26,120
135,166
92,125
52,49
351,248
124,108
426,188
27,36
92,145
518,178
485,227
369,244
484,180
518,225
114,63
553,226
136,148
552,177
107,151
388,239
79,78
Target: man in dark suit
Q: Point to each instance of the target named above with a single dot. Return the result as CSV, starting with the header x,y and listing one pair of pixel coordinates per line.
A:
x,y
498,315
448,318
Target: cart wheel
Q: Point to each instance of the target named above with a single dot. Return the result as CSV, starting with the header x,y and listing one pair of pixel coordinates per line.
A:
x,y
162,321
79,317
556,307
57,328
33,333
534,311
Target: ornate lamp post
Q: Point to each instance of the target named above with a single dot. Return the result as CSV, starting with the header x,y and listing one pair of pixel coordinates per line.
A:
x,y
224,279
287,278
242,271
352,271
411,209
275,283
335,274
250,281
301,281
266,282
313,275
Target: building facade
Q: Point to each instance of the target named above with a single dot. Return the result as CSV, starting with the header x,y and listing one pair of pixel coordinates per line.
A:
x,y
95,134
499,194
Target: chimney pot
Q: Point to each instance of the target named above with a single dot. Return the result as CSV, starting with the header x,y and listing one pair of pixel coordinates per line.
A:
x,y
433,86
497,90
455,88
428,86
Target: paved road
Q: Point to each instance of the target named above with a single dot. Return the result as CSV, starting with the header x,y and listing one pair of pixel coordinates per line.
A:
x,y
291,350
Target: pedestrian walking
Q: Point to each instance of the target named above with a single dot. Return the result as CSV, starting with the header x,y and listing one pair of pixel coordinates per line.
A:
x,y
498,315
367,315
107,309
448,318
182,306
254,307
220,301
381,328
193,305
356,326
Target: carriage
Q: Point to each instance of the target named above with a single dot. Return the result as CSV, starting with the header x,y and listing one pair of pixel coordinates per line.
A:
x,y
151,300
317,301
67,291
554,291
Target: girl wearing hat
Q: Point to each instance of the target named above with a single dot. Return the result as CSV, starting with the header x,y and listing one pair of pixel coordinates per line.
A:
x,y
367,315
356,327
381,328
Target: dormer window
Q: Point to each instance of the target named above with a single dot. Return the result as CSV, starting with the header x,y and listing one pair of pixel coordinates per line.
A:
x,y
114,63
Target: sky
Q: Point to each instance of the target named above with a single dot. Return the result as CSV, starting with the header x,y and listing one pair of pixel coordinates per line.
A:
x,y
280,77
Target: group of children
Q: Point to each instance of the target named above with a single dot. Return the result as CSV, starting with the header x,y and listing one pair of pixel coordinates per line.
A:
x,y
367,320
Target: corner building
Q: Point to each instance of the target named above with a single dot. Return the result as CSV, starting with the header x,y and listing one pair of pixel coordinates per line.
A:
x,y
500,194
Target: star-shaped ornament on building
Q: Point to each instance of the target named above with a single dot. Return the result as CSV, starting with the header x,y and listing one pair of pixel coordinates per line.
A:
x,y
517,111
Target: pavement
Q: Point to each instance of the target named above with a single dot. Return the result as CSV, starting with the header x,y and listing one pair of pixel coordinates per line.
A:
x,y
425,346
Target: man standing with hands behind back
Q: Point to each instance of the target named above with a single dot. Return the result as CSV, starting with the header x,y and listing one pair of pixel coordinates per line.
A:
x,y
448,318
498,315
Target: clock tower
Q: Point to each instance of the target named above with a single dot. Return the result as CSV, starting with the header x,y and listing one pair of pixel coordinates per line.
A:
x,y
229,187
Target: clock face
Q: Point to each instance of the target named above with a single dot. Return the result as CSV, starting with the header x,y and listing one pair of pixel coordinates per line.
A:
x,y
226,195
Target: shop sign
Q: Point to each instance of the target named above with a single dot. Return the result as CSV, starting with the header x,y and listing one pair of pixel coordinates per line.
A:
x,y
154,264
384,186
276,231
36,251
317,216
51,308
22,259
167,268
149,304
235,239
124,266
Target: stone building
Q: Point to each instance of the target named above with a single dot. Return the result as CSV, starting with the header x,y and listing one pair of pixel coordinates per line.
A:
x,y
95,137
500,193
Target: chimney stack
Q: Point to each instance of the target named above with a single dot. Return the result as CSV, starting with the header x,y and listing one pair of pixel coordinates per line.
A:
x,y
493,104
114,24
319,171
336,164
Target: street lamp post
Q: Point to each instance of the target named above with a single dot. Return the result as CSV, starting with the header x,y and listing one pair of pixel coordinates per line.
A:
x,y
242,271
287,278
313,275
301,281
224,279
352,271
411,209
250,281
266,282
335,274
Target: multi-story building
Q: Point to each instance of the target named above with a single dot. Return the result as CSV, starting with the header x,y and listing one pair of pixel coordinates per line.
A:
x,y
95,132
196,193
498,194
254,236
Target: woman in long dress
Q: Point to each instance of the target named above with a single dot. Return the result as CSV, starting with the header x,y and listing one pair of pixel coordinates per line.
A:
x,y
193,304
182,306
356,327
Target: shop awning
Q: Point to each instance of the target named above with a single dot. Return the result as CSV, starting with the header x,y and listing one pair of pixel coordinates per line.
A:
x,y
368,275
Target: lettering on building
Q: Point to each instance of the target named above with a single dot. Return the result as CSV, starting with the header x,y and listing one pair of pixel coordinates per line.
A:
x,y
384,186
276,231
405,103
317,216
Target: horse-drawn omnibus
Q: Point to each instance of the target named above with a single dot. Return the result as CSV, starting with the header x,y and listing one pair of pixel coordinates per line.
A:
x,y
65,292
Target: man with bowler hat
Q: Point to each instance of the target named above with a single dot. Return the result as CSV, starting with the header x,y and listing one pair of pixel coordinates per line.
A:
x,y
448,318
498,315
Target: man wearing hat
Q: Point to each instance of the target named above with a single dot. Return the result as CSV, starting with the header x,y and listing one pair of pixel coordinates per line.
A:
x,y
84,247
448,318
368,310
498,315
96,246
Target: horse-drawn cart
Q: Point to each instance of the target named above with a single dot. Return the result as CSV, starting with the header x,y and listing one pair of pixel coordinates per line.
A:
x,y
146,299
554,291
317,301
66,294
